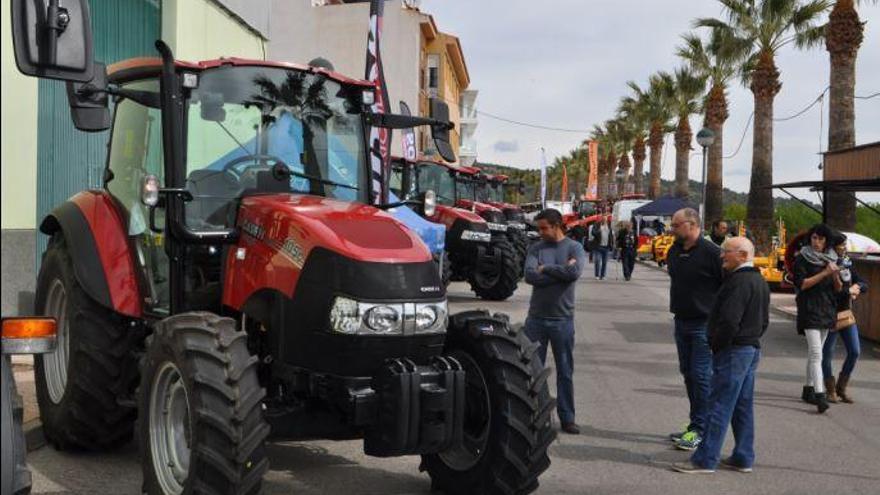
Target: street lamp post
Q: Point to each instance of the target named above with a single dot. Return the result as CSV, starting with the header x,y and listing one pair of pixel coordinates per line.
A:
x,y
705,138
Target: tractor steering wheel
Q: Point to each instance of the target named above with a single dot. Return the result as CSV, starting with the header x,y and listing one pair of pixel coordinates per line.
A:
x,y
230,166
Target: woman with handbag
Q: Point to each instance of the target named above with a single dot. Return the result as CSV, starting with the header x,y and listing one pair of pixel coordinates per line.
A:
x,y
846,328
816,283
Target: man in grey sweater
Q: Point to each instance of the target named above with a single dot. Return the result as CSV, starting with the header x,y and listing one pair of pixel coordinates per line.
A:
x,y
553,267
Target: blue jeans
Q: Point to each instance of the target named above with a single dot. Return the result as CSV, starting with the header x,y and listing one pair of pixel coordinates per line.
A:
x,y
850,337
559,332
695,365
600,261
731,402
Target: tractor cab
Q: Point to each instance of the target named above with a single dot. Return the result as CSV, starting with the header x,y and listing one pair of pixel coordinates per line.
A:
x,y
238,276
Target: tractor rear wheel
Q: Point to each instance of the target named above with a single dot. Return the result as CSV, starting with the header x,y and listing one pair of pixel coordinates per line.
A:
x,y
521,245
201,425
445,267
79,384
496,273
507,425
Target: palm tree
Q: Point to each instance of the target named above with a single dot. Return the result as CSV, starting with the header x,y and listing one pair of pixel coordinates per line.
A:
x,y
715,59
655,105
634,116
688,87
624,134
766,26
843,36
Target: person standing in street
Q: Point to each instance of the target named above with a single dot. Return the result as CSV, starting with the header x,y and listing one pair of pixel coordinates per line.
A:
x,y
553,267
816,282
626,243
853,287
720,232
738,319
602,239
694,266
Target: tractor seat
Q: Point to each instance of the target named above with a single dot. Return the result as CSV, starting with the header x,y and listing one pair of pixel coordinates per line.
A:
x,y
214,194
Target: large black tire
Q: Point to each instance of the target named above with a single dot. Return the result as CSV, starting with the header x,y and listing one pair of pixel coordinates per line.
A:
x,y
225,431
516,417
521,245
442,259
16,475
498,279
100,368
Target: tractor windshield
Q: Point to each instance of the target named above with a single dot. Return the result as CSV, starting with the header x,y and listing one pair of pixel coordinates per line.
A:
x,y
493,192
439,179
467,187
244,121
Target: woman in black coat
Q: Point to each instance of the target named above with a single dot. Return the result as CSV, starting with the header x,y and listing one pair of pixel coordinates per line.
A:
x,y
816,282
853,287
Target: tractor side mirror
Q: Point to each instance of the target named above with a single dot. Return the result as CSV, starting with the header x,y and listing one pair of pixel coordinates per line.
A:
x,y
89,102
53,41
440,133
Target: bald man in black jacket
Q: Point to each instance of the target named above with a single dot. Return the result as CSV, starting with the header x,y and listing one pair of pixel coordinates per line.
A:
x,y
738,319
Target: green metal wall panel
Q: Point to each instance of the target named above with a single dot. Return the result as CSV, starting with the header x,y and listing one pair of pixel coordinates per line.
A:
x,y
69,161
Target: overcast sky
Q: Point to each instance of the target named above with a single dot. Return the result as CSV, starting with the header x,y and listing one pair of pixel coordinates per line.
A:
x,y
564,63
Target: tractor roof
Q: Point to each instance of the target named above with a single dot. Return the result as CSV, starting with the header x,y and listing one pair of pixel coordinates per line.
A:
x,y
144,67
450,166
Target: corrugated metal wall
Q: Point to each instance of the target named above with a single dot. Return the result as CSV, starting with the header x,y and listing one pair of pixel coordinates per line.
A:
x,y
69,161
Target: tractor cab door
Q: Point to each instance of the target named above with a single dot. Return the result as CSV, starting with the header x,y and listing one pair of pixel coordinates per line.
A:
x,y
135,153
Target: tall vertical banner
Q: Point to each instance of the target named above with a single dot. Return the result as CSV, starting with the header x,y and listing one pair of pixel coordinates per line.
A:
x,y
593,178
564,183
409,135
543,179
380,138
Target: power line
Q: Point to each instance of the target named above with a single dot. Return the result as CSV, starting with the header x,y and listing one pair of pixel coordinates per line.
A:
x,y
743,138
533,126
868,97
811,105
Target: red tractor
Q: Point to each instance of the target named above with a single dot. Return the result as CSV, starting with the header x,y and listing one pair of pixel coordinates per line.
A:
x,y
477,242
232,283
488,190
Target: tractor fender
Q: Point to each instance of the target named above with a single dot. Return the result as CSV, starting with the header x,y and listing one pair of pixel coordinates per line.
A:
x,y
104,269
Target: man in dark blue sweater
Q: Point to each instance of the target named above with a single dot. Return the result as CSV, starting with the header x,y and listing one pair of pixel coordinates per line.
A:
x,y
696,274
553,267
738,319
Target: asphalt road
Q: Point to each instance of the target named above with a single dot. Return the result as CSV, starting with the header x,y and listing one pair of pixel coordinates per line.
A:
x,y
629,395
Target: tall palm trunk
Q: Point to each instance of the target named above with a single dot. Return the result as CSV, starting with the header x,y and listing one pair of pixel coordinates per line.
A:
x,y
623,165
655,142
843,37
683,137
601,190
716,115
609,174
639,163
759,217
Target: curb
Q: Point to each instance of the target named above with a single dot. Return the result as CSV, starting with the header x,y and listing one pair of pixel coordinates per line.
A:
x,y
33,435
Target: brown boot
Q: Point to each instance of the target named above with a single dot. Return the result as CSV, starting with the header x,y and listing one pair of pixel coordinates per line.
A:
x,y
831,388
841,389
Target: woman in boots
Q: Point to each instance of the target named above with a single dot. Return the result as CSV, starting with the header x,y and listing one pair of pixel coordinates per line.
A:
x,y
816,281
853,287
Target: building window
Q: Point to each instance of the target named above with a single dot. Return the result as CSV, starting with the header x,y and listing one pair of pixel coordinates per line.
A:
x,y
433,74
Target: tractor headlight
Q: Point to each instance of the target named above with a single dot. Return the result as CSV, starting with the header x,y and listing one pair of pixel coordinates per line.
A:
x,y
430,203
497,227
351,317
431,318
471,235
383,319
516,225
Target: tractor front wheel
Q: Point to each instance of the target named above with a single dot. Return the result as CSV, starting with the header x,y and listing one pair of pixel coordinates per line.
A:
x,y
79,384
507,426
496,273
201,425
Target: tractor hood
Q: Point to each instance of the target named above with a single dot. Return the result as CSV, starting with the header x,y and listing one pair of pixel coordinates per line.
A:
x,y
296,224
